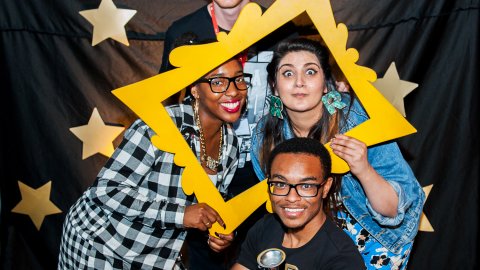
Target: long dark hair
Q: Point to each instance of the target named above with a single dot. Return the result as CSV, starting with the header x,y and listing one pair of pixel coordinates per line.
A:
x,y
326,127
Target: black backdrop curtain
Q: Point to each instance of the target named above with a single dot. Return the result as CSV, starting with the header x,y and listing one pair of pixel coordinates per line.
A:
x,y
52,78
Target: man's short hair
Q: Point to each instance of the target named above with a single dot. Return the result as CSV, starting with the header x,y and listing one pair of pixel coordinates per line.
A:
x,y
303,146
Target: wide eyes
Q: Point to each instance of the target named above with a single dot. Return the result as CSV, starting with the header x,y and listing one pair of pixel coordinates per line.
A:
x,y
308,72
311,72
287,73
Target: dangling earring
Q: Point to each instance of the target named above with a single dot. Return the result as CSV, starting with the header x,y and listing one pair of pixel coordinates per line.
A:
x,y
276,106
195,107
332,99
245,109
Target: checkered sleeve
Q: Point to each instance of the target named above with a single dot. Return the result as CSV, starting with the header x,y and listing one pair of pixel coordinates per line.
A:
x,y
118,183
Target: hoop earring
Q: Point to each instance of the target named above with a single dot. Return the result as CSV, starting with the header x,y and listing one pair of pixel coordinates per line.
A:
x,y
276,106
332,100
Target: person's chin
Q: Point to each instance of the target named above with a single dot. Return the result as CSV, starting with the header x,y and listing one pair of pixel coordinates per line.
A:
x,y
231,117
293,224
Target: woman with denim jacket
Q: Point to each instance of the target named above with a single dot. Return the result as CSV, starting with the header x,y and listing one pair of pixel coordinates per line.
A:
x,y
380,201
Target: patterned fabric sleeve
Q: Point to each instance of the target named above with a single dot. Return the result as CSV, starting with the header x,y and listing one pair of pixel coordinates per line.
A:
x,y
118,183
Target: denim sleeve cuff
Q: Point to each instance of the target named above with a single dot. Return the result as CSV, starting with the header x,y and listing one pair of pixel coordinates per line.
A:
x,y
401,208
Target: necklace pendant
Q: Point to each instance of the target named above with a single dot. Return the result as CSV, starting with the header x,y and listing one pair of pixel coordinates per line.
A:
x,y
211,163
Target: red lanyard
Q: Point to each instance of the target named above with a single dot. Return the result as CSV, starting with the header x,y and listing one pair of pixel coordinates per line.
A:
x,y
243,57
214,20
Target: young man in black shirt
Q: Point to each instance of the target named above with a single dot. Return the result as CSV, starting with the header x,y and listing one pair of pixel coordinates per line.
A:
x,y
301,190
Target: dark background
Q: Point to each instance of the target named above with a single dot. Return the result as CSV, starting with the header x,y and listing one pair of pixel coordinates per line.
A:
x,y
52,78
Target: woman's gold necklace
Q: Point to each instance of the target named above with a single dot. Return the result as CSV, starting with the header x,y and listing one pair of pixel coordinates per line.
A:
x,y
209,162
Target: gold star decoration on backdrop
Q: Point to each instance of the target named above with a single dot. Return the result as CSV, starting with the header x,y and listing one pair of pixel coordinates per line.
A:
x,y
108,22
394,89
36,203
425,225
96,136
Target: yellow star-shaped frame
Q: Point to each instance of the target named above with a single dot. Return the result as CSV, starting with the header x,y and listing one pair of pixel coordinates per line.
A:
x,y
145,97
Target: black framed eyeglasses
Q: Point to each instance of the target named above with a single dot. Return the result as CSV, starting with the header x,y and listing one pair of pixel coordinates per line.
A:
x,y
305,190
221,84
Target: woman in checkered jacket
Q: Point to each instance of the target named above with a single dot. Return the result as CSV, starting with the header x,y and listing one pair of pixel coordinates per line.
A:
x,y
136,215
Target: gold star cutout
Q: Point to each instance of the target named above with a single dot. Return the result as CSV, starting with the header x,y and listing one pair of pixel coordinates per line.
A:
x,y
36,203
108,22
96,136
425,225
394,89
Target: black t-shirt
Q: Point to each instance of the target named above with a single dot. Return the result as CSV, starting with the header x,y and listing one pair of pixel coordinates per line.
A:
x,y
330,248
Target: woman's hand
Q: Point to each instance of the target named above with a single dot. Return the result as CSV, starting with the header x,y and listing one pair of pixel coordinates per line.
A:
x,y
381,195
342,86
353,151
220,243
201,216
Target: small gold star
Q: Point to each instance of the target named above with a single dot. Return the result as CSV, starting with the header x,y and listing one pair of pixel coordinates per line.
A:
x,y
36,203
394,89
108,22
425,225
96,136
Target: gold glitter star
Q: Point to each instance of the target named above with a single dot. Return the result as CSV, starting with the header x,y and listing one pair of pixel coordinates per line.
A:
x,y
96,136
425,225
108,22
36,203
394,89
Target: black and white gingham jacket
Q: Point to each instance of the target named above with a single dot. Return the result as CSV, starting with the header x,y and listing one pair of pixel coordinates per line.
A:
x,y
132,216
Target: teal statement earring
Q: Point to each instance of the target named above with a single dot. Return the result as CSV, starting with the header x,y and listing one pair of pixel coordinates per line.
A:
x,y
332,100
276,106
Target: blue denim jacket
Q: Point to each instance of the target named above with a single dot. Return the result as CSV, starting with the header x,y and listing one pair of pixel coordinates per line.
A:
x,y
387,160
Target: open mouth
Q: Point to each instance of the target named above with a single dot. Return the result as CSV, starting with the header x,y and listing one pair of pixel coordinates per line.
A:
x,y
293,210
231,107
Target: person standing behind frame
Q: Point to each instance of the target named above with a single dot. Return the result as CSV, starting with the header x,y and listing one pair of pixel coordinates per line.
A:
x,y
302,193
380,199
136,215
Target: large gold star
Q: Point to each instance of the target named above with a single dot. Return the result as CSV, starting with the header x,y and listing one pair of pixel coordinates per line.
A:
x,y
96,136
425,225
36,203
394,89
108,22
